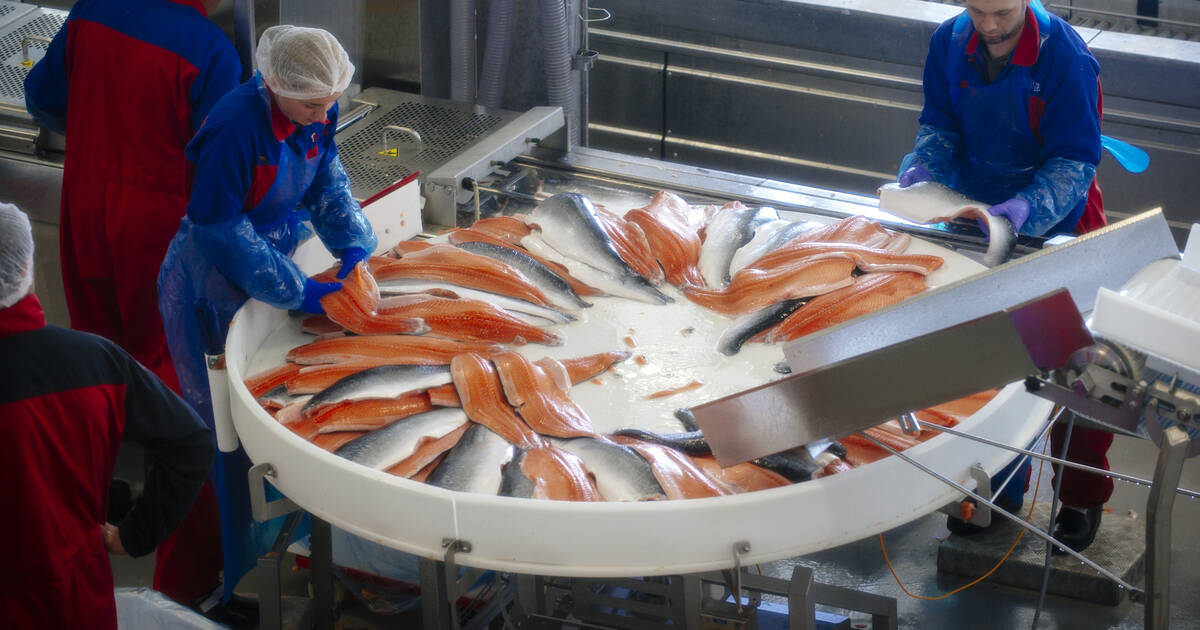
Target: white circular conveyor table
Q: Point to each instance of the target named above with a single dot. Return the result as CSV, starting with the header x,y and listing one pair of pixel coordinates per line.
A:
x,y
620,539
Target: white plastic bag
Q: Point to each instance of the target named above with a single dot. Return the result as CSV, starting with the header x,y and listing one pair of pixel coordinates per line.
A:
x,y
145,608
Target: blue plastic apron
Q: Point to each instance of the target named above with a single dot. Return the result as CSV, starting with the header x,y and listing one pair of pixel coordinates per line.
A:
x,y
198,303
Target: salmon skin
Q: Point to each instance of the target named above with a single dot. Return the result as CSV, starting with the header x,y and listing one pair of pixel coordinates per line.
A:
x,y
868,293
749,326
725,233
580,369
554,286
510,229
384,448
528,311
544,405
448,263
752,289
692,442
473,320
548,473
745,477
360,415
678,475
405,349
482,396
865,258
385,381
631,244
768,238
674,241
931,202
474,464
470,235
621,474
356,307
428,450
568,224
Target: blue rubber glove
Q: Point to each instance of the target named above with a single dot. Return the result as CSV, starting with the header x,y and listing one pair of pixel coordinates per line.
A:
x,y
1015,209
914,175
313,292
351,256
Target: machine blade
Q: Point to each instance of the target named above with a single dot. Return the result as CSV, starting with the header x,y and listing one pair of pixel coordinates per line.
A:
x,y
835,400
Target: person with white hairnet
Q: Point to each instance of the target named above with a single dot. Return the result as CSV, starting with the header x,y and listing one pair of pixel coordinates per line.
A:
x,y
265,165
69,399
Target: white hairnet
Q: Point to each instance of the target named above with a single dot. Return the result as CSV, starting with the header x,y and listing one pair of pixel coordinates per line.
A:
x,y
303,63
16,254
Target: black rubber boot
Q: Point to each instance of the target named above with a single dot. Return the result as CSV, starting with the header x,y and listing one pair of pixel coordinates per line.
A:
x,y
1076,529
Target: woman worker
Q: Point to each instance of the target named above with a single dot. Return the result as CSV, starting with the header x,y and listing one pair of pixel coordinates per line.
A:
x,y
265,162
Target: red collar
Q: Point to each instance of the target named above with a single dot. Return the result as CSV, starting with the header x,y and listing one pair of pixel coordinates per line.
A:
x,y
280,124
195,4
1026,52
24,316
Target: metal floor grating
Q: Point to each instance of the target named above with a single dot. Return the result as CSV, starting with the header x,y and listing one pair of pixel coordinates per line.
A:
x,y
445,132
1079,16
41,23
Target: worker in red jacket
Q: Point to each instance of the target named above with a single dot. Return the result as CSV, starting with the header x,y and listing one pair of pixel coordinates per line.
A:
x,y
129,82
69,399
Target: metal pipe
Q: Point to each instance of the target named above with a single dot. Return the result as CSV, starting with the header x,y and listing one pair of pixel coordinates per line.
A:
x,y
462,50
1191,494
1158,528
493,76
243,34
995,509
556,54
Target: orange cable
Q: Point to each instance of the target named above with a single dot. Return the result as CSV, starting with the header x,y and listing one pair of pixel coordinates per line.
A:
x,y
1041,465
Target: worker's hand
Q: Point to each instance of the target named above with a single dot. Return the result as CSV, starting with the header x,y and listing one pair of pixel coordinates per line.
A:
x,y
112,539
914,175
351,256
1015,209
313,292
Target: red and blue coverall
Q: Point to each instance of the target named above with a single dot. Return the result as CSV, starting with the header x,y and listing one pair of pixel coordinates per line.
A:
x,y
129,82
1032,132
69,399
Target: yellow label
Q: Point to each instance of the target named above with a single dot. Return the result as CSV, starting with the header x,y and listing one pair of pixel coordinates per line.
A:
x,y
388,152
27,63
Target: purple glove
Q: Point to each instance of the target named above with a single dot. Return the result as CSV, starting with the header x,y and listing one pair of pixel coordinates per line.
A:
x,y
351,256
1015,210
313,292
914,175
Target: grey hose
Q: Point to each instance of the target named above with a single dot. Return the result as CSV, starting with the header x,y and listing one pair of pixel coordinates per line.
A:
x,y
462,50
494,73
557,56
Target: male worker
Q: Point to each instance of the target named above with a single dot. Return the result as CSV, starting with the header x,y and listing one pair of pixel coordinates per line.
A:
x,y
69,399
1012,118
129,82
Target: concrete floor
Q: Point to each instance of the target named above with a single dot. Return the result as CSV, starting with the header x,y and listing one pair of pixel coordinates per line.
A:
x,y
913,550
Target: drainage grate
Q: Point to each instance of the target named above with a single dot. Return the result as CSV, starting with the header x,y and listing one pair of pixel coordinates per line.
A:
x,y
12,74
444,133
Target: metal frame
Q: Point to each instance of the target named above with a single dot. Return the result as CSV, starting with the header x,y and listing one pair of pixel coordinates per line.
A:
x,y
686,600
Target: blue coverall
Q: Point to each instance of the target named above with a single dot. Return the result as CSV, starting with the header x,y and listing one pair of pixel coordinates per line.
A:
x,y
1033,132
258,178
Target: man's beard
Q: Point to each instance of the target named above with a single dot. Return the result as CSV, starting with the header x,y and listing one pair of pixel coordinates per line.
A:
x,y
1000,39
